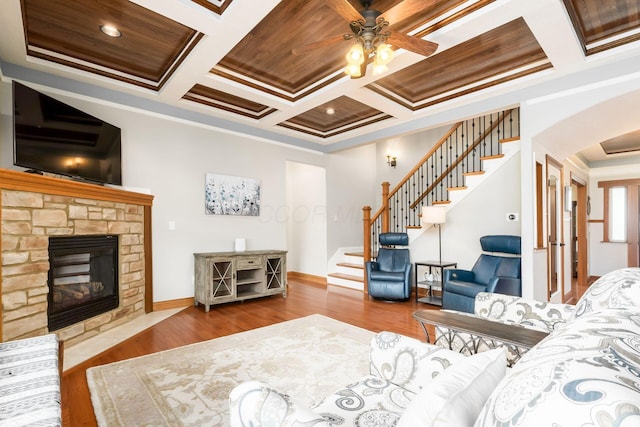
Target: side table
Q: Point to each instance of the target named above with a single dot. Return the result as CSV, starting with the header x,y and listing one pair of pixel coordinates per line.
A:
x,y
469,332
437,284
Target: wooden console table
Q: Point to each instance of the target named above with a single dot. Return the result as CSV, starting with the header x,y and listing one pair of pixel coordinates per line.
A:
x,y
235,276
452,327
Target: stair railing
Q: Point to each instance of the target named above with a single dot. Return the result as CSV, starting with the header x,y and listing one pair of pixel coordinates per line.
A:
x,y
457,154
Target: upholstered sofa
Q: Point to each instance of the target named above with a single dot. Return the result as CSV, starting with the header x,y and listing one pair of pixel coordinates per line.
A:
x,y
400,368
508,309
585,373
30,382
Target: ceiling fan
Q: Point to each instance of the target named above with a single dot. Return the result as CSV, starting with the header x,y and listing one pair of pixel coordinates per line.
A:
x,y
373,41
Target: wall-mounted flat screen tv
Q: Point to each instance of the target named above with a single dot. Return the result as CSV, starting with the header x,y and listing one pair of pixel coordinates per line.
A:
x,y
51,136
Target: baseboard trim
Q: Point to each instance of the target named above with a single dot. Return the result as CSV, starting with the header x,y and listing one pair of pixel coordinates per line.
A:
x,y
186,302
318,280
174,303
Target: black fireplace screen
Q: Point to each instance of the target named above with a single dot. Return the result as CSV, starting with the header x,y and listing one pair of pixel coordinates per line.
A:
x,y
83,278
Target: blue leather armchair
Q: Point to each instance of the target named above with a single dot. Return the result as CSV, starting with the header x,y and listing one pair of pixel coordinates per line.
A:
x,y
491,273
389,276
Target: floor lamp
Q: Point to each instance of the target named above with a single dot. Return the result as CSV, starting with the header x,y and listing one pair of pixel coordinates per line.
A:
x,y
435,215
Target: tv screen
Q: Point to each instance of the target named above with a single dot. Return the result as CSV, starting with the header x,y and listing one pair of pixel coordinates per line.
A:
x,y
51,136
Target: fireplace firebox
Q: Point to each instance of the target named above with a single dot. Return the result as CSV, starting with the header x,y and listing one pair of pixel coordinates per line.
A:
x,y
83,278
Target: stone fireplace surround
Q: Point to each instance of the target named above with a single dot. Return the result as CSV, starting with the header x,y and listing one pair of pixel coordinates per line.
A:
x,y
35,207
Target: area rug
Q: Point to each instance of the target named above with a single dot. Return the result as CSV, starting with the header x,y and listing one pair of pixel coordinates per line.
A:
x,y
308,358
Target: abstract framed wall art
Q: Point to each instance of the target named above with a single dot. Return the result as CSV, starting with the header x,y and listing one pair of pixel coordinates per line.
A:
x,y
231,195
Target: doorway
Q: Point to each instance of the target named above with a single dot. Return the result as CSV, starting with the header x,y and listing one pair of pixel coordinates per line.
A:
x,y
579,242
306,216
555,231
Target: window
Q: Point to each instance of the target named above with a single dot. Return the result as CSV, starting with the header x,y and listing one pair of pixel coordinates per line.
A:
x,y
621,216
617,214
620,211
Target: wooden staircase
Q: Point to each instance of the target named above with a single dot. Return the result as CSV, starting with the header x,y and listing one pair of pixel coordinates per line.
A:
x,y
350,272
440,178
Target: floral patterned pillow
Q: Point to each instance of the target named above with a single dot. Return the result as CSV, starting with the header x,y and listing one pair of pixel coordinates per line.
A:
x,y
407,362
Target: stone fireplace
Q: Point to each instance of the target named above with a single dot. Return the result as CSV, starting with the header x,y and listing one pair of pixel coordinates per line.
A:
x,y
36,210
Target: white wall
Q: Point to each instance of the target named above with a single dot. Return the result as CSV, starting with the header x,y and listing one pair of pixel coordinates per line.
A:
x,y
466,223
171,158
409,149
350,186
561,125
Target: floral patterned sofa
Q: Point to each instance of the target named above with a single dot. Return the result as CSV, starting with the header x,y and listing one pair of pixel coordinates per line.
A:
x,y
585,373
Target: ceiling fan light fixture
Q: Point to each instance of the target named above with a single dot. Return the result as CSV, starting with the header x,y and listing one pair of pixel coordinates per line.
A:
x,y
379,69
355,56
353,70
384,54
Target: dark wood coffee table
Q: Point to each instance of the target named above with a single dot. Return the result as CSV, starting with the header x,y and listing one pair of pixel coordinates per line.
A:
x,y
468,333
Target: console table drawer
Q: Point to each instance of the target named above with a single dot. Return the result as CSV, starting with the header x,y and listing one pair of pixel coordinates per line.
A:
x,y
246,263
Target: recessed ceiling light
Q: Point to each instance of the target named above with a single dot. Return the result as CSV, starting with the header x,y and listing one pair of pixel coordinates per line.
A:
x,y
110,30
330,111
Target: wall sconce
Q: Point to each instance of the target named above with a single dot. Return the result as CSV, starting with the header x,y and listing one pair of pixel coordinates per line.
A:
x,y
391,160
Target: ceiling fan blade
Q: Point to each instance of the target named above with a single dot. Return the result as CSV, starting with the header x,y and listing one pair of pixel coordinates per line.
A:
x,y
414,44
405,9
344,8
306,48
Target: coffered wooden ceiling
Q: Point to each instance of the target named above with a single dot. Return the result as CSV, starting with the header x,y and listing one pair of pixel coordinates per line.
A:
x,y
233,60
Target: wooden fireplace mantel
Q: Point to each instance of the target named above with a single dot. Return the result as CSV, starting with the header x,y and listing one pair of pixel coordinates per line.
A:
x,y
26,182
21,181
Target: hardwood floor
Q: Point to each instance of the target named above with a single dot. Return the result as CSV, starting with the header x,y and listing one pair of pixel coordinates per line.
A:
x,y
194,324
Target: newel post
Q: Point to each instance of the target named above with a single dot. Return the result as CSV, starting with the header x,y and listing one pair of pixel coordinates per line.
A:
x,y
385,207
366,233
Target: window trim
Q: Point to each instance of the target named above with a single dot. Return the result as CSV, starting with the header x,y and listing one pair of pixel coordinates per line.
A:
x,y
631,190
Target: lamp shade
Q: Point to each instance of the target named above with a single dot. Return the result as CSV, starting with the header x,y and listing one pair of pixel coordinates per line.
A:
x,y
353,70
384,54
434,214
355,54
